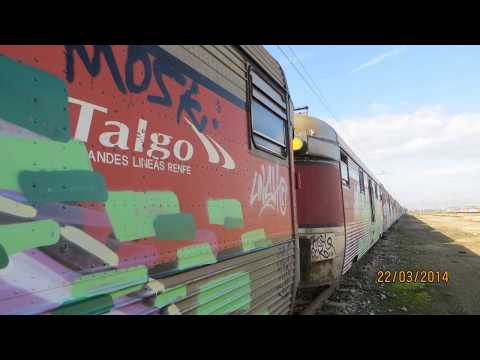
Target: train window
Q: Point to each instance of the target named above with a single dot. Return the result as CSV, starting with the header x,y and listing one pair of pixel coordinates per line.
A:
x,y
344,169
268,127
361,181
269,117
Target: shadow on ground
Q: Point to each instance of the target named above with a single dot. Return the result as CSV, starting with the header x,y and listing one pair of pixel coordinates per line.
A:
x,y
426,242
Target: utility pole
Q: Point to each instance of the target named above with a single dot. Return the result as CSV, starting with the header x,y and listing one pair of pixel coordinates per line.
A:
x,y
302,108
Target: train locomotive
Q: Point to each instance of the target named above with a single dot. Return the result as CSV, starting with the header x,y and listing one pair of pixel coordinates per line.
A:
x,y
342,208
161,179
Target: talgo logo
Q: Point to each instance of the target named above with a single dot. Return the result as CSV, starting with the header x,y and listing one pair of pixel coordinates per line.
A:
x,y
213,155
161,147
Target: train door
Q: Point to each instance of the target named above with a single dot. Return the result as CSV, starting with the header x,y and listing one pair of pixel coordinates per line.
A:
x,y
372,210
371,196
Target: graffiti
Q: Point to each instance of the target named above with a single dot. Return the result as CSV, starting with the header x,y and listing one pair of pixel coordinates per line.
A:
x,y
225,294
83,229
323,246
156,68
270,189
188,104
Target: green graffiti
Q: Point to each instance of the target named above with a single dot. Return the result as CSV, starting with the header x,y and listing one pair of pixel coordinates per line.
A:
x,y
195,255
74,185
226,212
17,155
170,296
93,306
263,312
34,99
96,305
225,294
242,302
119,293
233,223
108,282
132,214
3,258
15,238
254,239
364,241
175,227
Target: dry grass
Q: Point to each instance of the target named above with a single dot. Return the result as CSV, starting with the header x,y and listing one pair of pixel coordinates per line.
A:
x,y
434,241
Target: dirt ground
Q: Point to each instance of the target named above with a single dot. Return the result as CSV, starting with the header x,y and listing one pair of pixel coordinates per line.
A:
x,y
443,242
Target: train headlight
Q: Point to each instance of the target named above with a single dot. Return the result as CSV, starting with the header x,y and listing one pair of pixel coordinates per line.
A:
x,y
297,144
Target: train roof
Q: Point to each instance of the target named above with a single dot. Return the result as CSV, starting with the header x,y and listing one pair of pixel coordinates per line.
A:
x,y
314,127
267,62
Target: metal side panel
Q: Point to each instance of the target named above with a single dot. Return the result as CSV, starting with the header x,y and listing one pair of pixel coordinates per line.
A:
x,y
230,58
221,70
322,255
264,59
256,283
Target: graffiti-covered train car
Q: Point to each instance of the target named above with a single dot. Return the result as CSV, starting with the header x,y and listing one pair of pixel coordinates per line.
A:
x,y
145,180
340,204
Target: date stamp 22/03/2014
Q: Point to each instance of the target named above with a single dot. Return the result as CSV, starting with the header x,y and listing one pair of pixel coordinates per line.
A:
x,y
414,276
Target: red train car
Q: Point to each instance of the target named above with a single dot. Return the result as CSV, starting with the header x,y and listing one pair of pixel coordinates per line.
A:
x,y
341,205
145,180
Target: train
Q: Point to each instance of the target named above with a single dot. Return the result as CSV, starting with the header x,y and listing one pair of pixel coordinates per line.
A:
x,y
168,180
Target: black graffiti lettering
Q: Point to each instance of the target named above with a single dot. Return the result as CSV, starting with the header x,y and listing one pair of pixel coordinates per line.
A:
x,y
323,246
159,69
188,104
137,54
329,243
171,72
93,66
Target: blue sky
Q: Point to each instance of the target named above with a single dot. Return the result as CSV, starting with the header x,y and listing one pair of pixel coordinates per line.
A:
x,y
413,76
412,112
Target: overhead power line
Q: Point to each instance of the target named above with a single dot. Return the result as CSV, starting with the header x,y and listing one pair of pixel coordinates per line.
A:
x,y
307,82
318,93
324,101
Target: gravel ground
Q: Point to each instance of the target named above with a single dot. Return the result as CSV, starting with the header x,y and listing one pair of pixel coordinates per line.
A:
x,y
358,292
422,242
